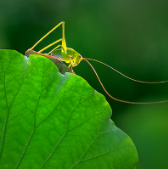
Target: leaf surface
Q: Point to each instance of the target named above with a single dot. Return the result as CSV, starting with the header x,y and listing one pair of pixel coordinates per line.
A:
x,y
49,120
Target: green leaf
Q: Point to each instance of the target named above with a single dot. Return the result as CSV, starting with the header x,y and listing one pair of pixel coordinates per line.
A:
x,y
49,120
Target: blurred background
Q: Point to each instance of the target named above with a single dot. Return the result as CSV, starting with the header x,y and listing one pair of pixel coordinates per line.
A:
x,y
131,36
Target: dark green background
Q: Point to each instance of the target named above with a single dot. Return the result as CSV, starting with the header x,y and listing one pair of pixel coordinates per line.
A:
x,y
131,36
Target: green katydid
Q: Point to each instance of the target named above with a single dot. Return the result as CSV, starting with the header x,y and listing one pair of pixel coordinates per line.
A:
x,y
72,57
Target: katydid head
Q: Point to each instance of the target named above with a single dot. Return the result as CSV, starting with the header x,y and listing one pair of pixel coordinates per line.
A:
x,y
74,57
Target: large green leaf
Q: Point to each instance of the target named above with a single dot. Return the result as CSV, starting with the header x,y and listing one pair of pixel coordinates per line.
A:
x,y
49,120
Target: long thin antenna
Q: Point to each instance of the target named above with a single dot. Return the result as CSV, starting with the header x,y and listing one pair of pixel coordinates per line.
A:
x,y
125,75
124,101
